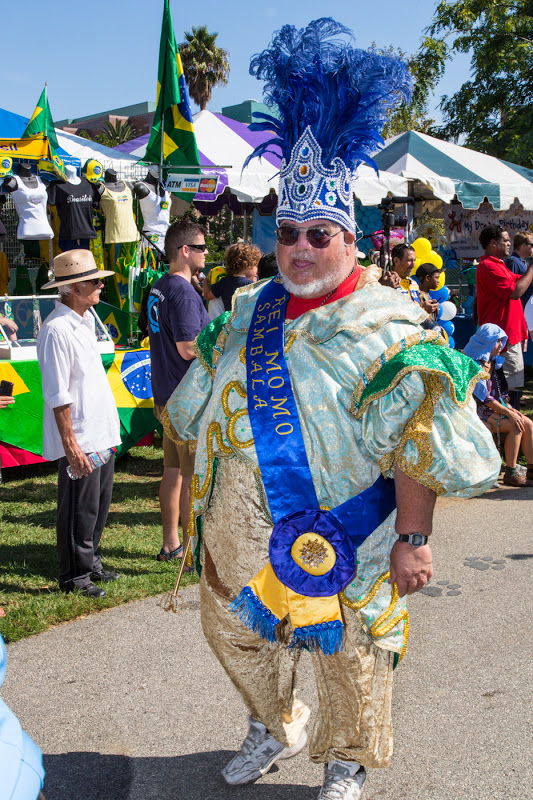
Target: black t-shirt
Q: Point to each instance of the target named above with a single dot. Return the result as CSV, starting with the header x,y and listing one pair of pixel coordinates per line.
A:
x,y
226,288
175,314
74,203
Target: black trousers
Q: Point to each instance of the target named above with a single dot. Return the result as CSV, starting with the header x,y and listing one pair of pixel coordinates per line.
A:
x,y
82,509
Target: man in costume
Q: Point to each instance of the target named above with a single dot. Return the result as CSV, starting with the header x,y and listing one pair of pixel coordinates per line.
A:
x,y
309,404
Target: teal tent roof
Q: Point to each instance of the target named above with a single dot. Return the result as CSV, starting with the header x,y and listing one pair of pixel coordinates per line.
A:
x,y
443,170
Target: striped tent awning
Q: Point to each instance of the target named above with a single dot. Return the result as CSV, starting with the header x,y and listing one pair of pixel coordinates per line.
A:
x,y
444,170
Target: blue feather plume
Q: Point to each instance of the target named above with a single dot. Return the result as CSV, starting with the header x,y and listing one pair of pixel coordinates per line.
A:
x,y
341,92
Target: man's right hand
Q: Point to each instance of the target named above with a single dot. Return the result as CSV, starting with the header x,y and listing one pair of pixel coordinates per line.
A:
x,y
391,279
78,461
6,401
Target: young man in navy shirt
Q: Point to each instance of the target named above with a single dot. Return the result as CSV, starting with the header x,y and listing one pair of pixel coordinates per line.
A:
x,y
176,315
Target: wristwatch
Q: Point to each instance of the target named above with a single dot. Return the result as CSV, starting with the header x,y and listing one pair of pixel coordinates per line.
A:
x,y
414,539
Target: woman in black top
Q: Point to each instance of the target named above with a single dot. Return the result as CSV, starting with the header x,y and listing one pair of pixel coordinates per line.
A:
x,y
241,262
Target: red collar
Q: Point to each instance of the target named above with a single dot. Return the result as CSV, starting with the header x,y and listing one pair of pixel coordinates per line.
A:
x,y
299,305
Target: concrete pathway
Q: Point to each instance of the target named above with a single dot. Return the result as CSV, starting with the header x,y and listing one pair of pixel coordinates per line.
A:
x,y
130,704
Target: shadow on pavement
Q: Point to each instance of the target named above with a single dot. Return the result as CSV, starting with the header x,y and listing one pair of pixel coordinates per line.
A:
x,y
92,776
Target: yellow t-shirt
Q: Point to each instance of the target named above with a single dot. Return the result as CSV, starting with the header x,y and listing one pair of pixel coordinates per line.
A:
x,y
119,220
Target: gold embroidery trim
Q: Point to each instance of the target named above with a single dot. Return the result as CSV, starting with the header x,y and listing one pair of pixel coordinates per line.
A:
x,y
390,352
220,344
380,627
418,431
199,355
233,416
423,370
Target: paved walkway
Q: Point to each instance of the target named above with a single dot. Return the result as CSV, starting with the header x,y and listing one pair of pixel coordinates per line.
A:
x,y
130,704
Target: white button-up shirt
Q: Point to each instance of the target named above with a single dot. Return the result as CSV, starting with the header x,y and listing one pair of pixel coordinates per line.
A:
x,y
73,374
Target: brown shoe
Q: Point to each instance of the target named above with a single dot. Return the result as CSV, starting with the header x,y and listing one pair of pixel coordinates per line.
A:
x,y
515,480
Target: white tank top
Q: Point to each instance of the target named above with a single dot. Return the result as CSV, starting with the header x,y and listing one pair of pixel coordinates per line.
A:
x,y
156,212
30,205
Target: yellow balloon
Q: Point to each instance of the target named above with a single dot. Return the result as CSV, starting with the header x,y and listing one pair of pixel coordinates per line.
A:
x,y
417,264
422,248
435,259
442,280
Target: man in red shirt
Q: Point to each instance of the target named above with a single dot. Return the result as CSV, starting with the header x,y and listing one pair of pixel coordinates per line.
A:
x,y
498,301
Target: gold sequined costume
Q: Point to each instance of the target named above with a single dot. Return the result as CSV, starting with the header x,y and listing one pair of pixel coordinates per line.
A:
x,y
353,429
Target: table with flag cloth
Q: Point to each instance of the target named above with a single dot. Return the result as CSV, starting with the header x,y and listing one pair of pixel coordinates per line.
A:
x,y
373,391
21,424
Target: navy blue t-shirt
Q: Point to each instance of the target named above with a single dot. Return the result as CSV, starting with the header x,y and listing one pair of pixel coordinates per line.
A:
x,y
175,314
226,288
519,267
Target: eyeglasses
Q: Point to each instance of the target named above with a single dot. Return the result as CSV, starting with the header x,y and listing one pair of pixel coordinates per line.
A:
x,y
94,281
317,237
202,247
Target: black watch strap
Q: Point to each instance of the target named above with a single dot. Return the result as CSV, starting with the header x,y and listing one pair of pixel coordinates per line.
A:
x,y
414,539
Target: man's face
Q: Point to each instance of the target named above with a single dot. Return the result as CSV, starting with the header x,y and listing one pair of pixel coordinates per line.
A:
x,y
88,292
405,265
312,272
526,249
501,246
196,257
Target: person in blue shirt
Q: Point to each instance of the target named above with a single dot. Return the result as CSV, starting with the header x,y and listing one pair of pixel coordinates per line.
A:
x,y
518,261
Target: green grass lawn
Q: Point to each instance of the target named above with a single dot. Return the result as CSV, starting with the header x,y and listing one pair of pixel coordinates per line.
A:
x,y
29,591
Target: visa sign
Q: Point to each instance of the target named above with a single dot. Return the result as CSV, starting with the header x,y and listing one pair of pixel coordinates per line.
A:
x,y
183,183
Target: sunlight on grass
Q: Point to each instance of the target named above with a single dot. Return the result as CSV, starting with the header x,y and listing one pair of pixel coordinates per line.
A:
x,y
28,558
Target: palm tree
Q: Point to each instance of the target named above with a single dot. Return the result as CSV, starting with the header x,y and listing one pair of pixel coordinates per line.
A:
x,y
204,64
120,132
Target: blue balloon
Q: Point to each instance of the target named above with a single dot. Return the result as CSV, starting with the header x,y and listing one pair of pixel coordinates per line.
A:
x,y
451,342
448,326
440,294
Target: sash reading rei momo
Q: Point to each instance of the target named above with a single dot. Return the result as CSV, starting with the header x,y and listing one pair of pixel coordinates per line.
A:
x,y
312,552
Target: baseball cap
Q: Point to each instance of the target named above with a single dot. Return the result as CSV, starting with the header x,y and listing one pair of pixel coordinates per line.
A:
x,y
426,269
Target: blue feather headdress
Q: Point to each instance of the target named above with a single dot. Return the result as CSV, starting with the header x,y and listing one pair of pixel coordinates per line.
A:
x,y
332,100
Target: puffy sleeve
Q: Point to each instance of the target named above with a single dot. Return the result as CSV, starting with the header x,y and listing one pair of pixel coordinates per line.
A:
x,y
183,412
186,405
425,423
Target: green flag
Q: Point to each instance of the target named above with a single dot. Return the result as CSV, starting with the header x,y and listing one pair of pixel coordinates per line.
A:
x,y
41,121
172,118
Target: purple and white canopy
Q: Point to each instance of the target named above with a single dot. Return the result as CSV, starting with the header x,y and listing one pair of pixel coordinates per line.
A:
x,y
226,142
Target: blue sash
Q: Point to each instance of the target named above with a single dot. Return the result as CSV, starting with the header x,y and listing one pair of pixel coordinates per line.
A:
x,y
285,468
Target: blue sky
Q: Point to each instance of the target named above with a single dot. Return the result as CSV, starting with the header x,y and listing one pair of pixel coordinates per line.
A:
x,y
102,54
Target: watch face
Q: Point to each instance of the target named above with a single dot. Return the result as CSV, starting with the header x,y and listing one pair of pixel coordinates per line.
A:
x,y
417,540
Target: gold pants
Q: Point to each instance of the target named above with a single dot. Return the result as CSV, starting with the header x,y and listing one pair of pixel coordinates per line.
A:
x,y
354,686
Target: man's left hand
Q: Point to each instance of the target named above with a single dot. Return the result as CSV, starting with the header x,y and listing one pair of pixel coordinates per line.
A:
x,y
410,567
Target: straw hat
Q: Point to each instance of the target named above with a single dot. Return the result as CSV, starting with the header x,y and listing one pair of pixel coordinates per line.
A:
x,y
75,266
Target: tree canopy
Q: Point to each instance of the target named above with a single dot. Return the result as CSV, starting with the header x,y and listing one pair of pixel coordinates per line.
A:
x,y
112,135
204,64
493,110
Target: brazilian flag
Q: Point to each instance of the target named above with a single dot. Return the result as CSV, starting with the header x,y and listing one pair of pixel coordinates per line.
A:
x,y
42,122
172,118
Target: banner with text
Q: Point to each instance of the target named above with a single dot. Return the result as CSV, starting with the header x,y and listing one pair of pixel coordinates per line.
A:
x,y
463,225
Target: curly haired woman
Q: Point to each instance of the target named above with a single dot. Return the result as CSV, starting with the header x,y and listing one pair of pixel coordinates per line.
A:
x,y
241,262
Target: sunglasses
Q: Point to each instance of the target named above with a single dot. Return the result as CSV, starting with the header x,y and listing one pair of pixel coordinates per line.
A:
x,y
317,237
202,247
94,281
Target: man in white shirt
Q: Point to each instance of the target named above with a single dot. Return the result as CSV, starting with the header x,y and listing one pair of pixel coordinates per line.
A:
x,y
80,417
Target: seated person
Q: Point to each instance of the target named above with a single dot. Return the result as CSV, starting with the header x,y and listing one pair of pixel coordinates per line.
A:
x,y
241,262
493,406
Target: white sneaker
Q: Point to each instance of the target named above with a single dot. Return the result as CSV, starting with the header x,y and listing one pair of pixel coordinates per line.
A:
x,y
258,753
343,780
